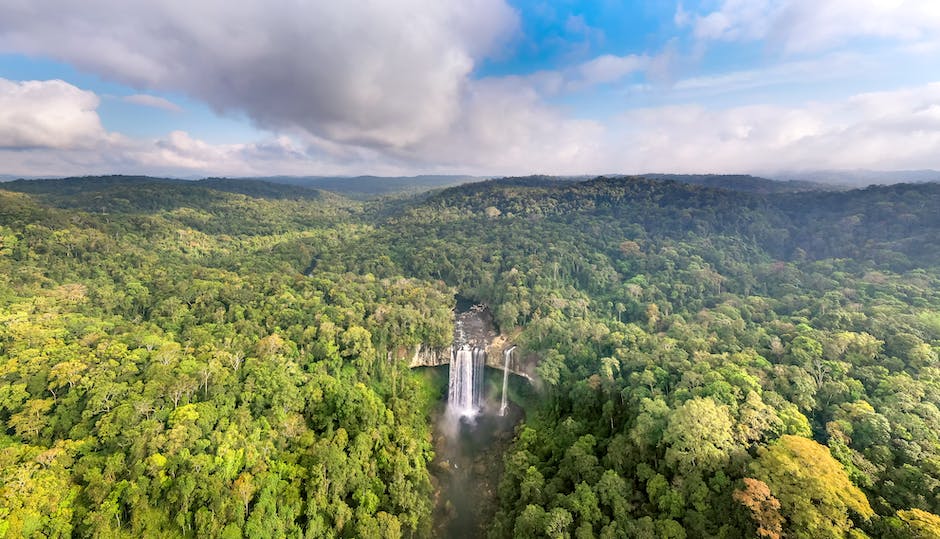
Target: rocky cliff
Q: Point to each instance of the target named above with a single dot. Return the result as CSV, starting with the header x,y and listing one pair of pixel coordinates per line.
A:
x,y
474,328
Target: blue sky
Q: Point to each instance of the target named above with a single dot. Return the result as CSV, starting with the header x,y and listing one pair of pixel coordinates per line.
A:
x,y
484,87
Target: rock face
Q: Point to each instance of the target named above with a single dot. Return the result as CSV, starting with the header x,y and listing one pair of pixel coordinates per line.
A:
x,y
474,328
425,356
518,364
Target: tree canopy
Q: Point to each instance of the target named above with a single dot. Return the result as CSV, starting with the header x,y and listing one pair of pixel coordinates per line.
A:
x,y
230,359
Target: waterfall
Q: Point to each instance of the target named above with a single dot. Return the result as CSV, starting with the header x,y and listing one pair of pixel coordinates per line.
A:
x,y
467,361
479,361
466,381
507,353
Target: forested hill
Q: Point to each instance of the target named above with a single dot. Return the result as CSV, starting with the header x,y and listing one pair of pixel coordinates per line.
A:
x,y
145,193
372,187
888,223
747,183
166,370
896,224
229,359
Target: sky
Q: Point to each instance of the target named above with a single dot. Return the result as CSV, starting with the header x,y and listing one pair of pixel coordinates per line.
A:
x,y
483,87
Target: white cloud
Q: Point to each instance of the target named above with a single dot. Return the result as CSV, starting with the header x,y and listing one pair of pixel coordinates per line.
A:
x,y
368,83
153,101
682,18
575,24
604,69
806,26
508,130
610,68
826,67
367,72
886,130
738,20
47,114
505,128
52,128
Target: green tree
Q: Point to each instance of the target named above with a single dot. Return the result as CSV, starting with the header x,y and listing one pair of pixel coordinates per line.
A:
x,y
699,435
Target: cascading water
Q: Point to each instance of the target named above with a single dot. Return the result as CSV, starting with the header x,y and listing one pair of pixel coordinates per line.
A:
x,y
466,382
507,354
460,391
479,361
465,386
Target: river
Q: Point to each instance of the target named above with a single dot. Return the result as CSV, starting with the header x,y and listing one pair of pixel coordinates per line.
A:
x,y
468,462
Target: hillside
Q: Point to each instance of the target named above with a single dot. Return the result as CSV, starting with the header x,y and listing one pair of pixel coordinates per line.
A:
x,y
747,183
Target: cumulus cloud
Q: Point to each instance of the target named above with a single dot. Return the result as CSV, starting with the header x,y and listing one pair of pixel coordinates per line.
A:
x,y
177,154
509,130
826,67
367,72
580,77
48,114
368,83
152,101
52,128
805,26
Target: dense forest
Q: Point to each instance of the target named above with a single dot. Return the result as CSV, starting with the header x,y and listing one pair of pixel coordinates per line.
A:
x,y
230,358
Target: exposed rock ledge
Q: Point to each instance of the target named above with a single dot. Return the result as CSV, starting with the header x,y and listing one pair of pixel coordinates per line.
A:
x,y
425,356
524,366
474,328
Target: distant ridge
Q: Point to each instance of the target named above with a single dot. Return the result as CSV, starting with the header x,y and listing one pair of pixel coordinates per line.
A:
x,y
354,187
368,187
726,182
743,182
132,194
861,177
91,184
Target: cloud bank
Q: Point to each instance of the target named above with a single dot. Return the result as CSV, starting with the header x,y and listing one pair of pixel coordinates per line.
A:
x,y
884,130
54,127
806,26
394,88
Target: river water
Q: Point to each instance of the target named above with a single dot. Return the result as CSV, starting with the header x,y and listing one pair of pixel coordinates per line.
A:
x,y
468,463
